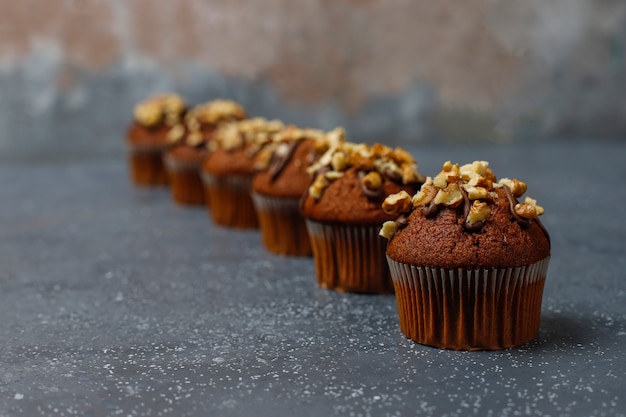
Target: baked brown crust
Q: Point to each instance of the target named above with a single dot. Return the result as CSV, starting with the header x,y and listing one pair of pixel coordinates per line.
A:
x,y
293,179
443,241
344,201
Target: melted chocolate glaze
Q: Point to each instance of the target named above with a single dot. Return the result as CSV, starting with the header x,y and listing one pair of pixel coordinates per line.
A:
x,y
524,223
279,162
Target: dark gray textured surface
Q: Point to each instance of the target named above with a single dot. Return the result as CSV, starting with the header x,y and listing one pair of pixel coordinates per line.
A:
x,y
115,301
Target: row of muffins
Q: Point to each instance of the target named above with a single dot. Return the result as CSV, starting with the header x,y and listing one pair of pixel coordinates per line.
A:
x,y
466,260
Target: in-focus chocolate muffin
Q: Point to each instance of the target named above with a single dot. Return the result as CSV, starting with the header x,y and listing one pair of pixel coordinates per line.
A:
x,y
147,137
343,212
281,179
183,159
229,167
468,260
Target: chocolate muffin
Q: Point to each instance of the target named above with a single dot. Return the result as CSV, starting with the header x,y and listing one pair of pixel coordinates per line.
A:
x,y
281,180
343,213
188,149
147,137
468,260
229,167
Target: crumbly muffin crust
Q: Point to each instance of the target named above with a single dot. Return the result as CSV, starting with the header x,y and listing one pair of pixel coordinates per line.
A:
x,y
350,182
465,218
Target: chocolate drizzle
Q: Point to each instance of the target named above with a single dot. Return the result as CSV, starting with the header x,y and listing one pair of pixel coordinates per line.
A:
x,y
280,159
367,191
402,221
430,210
467,205
524,223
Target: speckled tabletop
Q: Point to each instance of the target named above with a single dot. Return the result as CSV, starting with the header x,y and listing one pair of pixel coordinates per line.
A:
x,y
116,301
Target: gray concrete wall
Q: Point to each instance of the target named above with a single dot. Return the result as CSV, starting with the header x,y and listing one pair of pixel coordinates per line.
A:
x,y
397,71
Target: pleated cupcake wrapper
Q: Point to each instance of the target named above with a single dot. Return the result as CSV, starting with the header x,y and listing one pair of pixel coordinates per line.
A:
x,y
349,258
146,165
230,201
185,181
283,230
483,309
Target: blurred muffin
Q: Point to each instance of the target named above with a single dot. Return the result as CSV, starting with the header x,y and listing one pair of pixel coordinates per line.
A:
x,y
228,170
280,183
468,261
343,212
146,137
183,159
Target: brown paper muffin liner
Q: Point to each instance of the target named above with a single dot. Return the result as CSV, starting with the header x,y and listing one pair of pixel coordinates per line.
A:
x,y
230,201
483,309
349,258
146,166
185,181
283,230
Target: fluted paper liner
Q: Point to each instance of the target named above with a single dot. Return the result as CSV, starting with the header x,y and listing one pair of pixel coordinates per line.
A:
x,y
146,165
230,201
349,258
283,230
185,181
483,309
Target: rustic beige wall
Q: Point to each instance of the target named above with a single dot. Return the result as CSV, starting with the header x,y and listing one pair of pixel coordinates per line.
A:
x,y
406,71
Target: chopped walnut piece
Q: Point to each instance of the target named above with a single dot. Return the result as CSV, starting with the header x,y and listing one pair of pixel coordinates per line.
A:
x,y
175,133
333,175
398,203
518,188
478,212
451,196
148,113
372,180
338,161
315,190
475,193
425,195
389,229
525,210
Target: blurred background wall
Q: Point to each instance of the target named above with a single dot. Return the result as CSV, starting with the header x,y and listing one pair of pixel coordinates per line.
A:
x,y
404,72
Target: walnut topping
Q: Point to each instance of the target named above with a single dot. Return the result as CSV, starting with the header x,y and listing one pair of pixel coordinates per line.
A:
x,y
398,203
450,196
217,111
478,212
475,193
255,133
373,163
518,188
389,229
166,108
528,209
176,133
338,161
473,186
372,180
148,113
425,195
315,190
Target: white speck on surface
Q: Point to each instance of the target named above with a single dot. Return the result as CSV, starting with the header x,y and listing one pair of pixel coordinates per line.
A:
x,y
18,396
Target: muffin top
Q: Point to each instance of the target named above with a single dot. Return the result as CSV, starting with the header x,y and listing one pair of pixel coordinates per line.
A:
x,y
167,109
153,118
350,182
215,112
282,164
235,145
465,218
